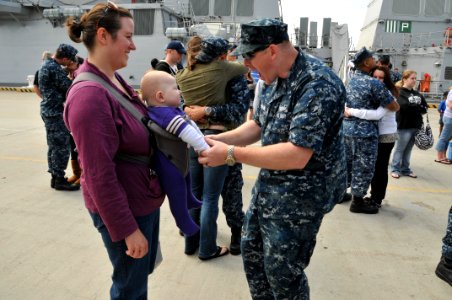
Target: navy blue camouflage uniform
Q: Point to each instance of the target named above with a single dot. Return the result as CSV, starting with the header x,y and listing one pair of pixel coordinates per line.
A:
x,y
287,206
447,240
233,112
361,136
53,84
395,76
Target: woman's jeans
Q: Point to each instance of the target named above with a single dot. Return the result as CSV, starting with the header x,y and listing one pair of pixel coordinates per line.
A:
x,y
402,153
445,136
207,183
130,275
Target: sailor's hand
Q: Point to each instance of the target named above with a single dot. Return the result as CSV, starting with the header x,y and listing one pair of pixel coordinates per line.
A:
x,y
137,244
215,156
196,113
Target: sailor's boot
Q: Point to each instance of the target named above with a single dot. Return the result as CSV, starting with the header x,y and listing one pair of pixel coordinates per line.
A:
x,y
52,182
236,237
444,270
363,206
61,184
76,171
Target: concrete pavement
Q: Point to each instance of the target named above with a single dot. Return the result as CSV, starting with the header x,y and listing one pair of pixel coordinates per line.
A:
x,y
50,250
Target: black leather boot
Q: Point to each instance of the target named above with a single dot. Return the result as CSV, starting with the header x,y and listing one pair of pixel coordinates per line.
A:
x,y
52,182
236,237
61,184
444,270
363,206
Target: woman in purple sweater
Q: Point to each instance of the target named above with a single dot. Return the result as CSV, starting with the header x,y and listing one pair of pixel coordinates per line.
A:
x,y
122,198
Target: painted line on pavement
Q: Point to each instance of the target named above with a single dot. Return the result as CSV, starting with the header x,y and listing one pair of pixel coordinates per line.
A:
x,y
20,158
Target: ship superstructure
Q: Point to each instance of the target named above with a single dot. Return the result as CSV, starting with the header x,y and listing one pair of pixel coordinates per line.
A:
x,y
417,35
28,27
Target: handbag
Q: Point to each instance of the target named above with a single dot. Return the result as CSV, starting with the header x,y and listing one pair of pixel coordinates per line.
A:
x,y
423,138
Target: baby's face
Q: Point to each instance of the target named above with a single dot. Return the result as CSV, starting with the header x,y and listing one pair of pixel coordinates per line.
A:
x,y
171,93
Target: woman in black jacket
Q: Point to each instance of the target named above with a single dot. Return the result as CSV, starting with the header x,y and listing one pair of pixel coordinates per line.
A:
x,y
409,120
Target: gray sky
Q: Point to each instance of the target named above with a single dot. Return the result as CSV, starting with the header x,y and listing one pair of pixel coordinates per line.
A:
x,y
351,12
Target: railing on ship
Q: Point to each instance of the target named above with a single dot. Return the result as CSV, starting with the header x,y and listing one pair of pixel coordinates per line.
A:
x,y
435,93
427,39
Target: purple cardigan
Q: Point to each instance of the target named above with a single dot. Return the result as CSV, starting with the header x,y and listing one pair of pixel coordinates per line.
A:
x,y
117,190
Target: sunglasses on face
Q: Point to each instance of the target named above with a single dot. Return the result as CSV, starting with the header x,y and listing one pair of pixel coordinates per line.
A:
x,y
110,6
250,55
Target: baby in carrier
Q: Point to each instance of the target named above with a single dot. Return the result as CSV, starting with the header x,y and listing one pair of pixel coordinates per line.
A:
x,y
160,91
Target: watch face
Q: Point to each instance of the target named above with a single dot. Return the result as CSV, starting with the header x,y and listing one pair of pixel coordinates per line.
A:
x,y
230,161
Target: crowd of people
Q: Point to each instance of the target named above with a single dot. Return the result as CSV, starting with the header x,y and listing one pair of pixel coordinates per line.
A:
x,y
333,137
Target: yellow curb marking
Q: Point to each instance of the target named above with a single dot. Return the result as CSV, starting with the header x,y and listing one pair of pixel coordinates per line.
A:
x,y
19,158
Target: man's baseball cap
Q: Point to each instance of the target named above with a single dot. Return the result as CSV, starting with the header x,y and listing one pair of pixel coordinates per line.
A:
x,y
261,33
361,55
178,46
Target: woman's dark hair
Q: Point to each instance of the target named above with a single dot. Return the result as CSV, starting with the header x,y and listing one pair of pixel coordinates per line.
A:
x,y
387,80
80,60
106,15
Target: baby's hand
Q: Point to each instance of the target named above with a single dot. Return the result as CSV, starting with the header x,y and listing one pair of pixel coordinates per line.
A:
x,y
347,112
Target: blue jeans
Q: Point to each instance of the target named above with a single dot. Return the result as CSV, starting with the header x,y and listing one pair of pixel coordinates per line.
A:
x,y
402,154
207,183
445,136
130,275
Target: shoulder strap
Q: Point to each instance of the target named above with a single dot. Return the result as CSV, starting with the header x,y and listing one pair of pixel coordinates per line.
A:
x,y
88,76
144,120
160,138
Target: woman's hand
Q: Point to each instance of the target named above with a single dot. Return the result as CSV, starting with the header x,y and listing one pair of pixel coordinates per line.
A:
x,y
196,113
137,244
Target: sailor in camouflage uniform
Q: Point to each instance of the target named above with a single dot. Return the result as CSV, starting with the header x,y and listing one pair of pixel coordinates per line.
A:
x,y
444,268
299,121
238,97
361,136
53,84
233,114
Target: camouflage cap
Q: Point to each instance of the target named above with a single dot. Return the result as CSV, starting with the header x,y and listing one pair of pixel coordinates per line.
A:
x,y
361,55
67,51
261,33
211,48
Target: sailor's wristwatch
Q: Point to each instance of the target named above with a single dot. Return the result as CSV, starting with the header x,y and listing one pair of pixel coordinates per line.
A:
x,y
230,159
208,110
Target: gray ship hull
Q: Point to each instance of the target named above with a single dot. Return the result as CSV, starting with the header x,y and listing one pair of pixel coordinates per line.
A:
x,y
27,28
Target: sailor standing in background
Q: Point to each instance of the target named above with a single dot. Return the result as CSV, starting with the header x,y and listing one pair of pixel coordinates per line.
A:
x,y
174,52
361,136
53,84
